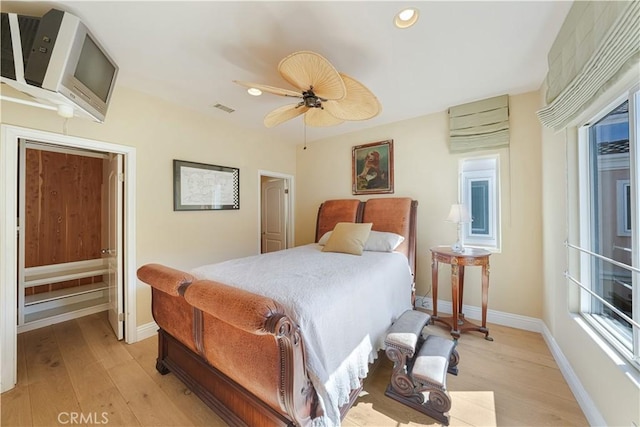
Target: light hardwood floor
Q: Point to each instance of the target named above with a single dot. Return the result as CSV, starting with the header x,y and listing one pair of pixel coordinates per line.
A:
x,y
78,369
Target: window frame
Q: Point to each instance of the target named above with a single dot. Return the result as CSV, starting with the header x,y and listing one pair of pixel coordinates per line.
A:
x,y
626,342
484,168
623,201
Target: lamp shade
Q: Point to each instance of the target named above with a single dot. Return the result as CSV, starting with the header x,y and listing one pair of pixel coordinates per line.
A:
x,y
459,214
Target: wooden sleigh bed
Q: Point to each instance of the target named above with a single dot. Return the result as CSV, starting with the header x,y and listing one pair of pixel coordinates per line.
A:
x,y
242,352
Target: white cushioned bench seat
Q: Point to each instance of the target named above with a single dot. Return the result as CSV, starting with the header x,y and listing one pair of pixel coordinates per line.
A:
x,y
406,331
433,361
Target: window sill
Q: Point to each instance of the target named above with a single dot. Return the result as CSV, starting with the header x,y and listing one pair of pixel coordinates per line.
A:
x,y
619,356
491,249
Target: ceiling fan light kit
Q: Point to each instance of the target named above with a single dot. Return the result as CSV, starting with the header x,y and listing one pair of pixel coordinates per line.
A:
x,y
327,97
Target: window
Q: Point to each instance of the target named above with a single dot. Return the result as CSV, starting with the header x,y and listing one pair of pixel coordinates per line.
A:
x,y
609,218
479,193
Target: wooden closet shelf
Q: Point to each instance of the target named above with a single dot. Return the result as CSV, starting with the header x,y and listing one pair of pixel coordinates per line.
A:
x,y
63,293
88,306
35,276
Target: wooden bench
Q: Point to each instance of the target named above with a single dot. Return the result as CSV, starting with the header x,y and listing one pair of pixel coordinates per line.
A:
x,y
420,366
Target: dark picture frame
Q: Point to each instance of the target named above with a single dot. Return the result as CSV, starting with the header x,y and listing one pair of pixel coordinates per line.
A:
x,y
372,168
200,186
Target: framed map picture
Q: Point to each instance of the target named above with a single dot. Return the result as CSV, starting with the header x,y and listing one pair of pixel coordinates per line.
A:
x,y
198,186
372,168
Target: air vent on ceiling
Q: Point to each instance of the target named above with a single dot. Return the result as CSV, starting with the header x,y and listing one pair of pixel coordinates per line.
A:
x,y
224,108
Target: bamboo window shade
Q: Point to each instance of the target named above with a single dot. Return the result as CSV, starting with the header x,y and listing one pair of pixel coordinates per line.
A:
x,y
598,43
479,125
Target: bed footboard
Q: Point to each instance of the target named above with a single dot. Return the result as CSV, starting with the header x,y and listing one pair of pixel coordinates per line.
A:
x,y
239,352
232,402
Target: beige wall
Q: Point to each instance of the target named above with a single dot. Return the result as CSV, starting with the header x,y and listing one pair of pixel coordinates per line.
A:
x,y
161,132
425,171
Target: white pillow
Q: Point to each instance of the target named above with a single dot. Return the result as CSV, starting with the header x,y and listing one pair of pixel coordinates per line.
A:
x,y
324,238
382,241
378,241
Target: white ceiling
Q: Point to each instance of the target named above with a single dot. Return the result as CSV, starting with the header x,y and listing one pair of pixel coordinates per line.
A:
x,y
189,52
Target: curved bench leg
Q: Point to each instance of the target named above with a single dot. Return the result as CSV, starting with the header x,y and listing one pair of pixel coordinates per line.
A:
x,y
401,383
437,405
454,359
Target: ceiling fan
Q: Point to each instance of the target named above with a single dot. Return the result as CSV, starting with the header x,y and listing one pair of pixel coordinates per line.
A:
x,y
327,97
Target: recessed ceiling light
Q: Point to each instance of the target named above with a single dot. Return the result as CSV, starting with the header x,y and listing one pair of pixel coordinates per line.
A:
x,y
254,91
406,17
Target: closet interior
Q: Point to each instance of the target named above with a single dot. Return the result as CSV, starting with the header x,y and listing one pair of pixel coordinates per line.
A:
x,y
63,268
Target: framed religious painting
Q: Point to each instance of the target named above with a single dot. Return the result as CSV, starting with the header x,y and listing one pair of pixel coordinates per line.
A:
x,y
372,168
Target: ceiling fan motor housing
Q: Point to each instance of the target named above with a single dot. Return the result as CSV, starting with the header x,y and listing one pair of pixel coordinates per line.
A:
x,y
311,100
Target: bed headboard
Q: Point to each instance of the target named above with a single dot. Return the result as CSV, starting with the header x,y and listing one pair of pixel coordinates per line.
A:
x,y
396,215
393,214
332,212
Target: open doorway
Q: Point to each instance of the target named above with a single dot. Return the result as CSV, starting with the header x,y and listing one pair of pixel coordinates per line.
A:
x,y
10,226
69,239
276,211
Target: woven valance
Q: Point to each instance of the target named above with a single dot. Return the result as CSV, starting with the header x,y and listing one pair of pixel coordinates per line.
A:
x,y
598,43
479,125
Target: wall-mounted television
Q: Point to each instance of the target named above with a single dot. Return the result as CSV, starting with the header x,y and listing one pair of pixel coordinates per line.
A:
x,y
58,53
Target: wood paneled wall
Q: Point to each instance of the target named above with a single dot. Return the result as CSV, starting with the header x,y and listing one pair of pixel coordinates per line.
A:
x,y
63,199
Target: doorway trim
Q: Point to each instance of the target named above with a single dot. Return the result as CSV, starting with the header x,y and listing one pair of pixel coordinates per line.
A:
x,y
290,204
9,136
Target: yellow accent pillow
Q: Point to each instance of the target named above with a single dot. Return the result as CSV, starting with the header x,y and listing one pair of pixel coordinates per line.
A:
x,y
348,238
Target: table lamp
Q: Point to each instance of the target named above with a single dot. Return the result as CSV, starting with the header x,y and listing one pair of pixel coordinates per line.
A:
x,y
458,214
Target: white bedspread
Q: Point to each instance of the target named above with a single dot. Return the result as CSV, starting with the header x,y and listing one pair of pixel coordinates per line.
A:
x,y
342,303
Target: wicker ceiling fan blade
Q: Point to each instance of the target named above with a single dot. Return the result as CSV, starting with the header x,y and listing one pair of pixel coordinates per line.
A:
x,y
318,117
305,70
270,89
284,113
359,104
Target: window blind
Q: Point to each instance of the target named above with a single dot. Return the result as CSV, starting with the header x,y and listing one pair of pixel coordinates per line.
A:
x,y
597,44
479,125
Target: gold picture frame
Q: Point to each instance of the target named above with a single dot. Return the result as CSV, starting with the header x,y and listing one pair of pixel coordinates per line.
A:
x,y
372,168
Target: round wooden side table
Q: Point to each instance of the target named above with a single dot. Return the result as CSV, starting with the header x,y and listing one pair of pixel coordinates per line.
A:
x,y
458,261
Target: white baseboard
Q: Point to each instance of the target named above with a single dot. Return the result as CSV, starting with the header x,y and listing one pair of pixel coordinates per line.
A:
x,y
594,417
146,331
534,325
498,317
